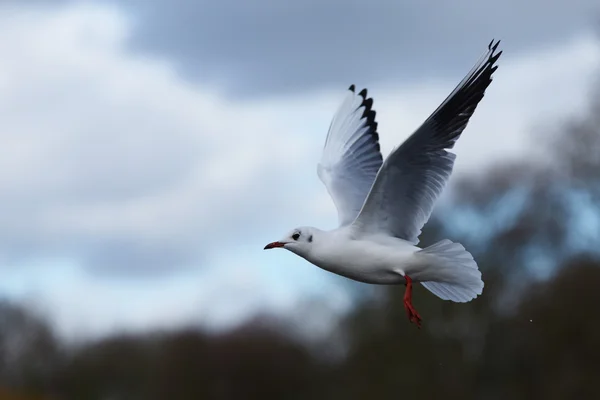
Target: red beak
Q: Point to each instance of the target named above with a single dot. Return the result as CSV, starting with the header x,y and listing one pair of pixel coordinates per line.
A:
x,y
273,245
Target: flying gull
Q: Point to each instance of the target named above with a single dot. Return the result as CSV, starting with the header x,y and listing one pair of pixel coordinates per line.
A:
x,y
383,205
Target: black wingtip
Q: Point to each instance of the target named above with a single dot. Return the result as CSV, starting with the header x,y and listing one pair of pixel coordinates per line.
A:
x,y
492,57
368,114
352,88
459,106
367,104
493,46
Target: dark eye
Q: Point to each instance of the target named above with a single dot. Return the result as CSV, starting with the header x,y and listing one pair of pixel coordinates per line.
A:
x,y
295,236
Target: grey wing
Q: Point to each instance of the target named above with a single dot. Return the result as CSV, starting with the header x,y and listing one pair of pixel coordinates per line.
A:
x,y
414,175
351,155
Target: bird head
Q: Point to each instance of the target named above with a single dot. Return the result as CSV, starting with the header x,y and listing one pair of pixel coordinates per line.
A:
x,y
298,241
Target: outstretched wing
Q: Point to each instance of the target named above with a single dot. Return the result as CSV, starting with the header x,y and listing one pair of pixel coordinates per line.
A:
x,y
351,156
414,175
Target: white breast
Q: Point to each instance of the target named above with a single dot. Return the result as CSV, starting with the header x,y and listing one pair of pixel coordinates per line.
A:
x,y
366,260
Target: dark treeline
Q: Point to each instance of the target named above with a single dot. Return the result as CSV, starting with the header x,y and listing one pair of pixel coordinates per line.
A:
x,y
547,348
526,338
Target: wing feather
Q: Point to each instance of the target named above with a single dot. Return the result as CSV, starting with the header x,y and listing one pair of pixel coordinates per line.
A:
x,y
413,176
351,155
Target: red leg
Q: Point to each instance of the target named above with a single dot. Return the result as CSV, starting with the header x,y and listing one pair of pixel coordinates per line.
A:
x,y
413,315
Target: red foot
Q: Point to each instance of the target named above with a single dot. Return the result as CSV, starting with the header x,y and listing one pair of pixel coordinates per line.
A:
x,y
413,315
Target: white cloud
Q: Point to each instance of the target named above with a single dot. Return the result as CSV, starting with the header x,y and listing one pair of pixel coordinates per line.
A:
x,y
82,306
104,144
111,160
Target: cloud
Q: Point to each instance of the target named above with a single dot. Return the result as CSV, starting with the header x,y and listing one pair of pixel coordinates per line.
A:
x,y
263,47
81,306
112,159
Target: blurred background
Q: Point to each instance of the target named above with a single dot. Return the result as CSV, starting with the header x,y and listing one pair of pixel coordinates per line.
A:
x,y
150,149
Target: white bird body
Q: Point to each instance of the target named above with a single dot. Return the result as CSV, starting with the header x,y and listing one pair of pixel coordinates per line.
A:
x,y
376,259
382,206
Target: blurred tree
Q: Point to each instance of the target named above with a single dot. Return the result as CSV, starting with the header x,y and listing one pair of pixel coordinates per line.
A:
x,y
7,394
114,368
29,351
550,348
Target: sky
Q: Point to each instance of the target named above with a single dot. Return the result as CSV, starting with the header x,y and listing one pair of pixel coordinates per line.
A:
x,y
151,149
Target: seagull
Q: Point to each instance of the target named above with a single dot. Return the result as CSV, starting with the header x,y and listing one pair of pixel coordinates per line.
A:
x,y
382,206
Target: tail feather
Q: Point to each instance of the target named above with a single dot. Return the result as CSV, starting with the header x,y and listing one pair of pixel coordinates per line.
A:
x,y
457,276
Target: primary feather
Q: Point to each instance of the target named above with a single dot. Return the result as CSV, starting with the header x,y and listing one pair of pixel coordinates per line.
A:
x,y
413,176
351,156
